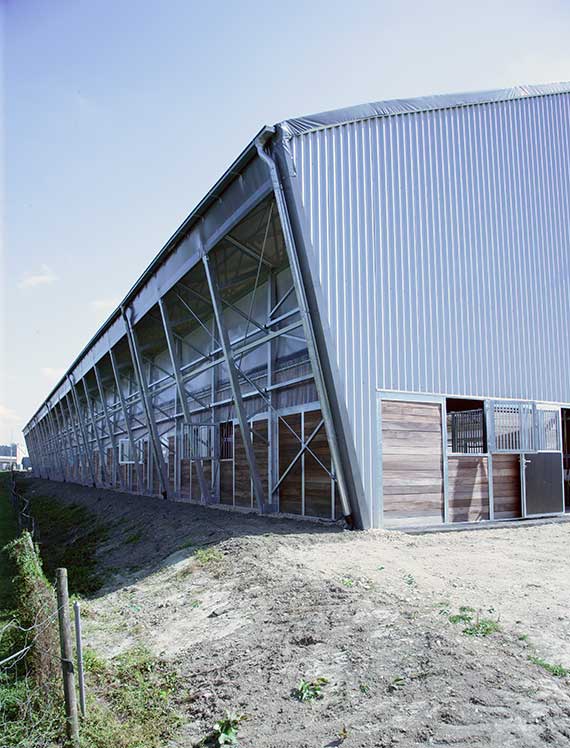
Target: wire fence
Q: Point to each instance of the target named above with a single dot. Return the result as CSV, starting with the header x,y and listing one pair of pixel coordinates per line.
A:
x,y
36,647
21,507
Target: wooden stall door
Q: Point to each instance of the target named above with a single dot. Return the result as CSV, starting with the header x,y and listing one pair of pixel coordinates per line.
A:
x,y
468,483
412,463
506,486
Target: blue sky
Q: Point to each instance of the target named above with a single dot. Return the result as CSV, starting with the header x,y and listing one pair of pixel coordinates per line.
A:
x,y
119,115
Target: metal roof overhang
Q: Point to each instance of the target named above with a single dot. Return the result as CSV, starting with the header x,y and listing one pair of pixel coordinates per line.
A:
x,y
241,187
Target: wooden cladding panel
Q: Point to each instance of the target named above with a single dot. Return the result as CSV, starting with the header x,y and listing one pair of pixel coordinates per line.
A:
x,y
207,468
171,461
185,478
290,491
468,484
412,461
227,482
260,448
242,478
506,486
317,481
156,484
109,465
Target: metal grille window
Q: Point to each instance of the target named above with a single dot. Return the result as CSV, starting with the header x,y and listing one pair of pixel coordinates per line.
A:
x,y
513,427
466,432
548,430
226,440
198,442
525,427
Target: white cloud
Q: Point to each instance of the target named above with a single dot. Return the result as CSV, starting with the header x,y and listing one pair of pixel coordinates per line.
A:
x,y
53,373
44,277
7,415
104,306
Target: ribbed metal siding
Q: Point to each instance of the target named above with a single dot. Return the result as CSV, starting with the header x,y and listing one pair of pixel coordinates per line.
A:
x,y
440,245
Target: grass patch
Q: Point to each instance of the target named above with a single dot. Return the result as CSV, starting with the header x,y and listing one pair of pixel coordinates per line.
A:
x,y
557,670
31,711
135,537
131,701
205,556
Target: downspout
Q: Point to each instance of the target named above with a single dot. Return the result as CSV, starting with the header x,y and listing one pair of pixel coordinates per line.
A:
x,y
308,328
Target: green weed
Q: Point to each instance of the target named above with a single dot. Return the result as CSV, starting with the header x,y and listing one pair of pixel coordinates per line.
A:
x,y
205,556
309,690
474,626
225,731
347,582
482,627
557,670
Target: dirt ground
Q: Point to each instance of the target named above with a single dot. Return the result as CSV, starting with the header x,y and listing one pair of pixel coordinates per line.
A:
x,y
368,611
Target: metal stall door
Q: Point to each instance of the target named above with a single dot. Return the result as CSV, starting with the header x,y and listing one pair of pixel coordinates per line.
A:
x,y
543,473
531,434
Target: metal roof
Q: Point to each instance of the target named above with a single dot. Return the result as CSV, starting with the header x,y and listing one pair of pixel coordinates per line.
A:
x,y
335,117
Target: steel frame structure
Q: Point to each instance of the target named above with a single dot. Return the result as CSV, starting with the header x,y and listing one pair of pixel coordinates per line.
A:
x,y
306,277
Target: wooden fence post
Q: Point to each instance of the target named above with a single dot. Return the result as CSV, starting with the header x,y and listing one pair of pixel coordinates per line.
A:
x,y
71,719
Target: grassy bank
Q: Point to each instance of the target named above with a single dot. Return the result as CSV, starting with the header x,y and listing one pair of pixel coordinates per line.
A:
x,y
131,698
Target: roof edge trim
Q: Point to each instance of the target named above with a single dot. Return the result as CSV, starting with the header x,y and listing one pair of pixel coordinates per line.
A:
x,y
391,107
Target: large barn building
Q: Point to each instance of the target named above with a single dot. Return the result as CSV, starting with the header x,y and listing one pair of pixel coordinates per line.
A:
x,y
366,317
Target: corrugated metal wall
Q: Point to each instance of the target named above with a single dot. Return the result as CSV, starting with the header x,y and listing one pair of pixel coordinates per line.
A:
x,y
440,243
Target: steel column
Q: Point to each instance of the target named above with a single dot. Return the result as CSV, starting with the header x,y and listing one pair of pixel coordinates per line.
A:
x,y
102,464
110,430
146,401
235,385
130,436
308,329
64,441
182,395
56,440
82,428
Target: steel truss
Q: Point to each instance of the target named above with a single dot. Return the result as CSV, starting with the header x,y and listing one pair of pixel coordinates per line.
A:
x,y
72,430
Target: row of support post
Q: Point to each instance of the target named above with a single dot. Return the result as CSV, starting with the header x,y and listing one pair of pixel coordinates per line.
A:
x,y
69,422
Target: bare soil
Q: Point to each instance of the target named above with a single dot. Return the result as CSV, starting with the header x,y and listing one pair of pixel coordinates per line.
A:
x,y
368,611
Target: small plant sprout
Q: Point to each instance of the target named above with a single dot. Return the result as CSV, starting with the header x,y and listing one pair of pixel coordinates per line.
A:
x,y
347,582
397,684
474,626
364,688
410,580
309,690
464,615
343,734
225,731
